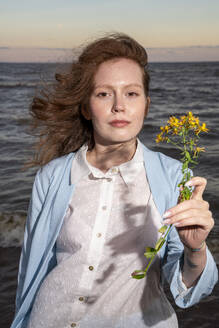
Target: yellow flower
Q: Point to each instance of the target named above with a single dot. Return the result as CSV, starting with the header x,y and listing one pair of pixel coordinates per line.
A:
x,y
199,149
193,122
175,122
197,131
159,138
201,128
197,120
204,128
165,129
175,131
183,127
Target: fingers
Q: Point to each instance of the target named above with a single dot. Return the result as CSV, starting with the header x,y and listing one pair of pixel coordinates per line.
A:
x,y
193,212
186,205
190,212
192,217
199,183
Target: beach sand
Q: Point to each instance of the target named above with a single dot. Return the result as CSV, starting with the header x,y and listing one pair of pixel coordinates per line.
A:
x,y
203,315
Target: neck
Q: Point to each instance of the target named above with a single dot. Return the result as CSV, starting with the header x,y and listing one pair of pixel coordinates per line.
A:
x,y
104,157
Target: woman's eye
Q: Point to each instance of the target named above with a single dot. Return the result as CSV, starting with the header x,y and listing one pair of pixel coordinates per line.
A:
x,y
132,94
102,94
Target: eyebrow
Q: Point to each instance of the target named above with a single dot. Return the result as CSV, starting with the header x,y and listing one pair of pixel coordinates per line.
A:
x,y
110,86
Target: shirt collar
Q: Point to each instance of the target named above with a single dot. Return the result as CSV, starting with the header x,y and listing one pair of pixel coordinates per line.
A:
x,y
128,170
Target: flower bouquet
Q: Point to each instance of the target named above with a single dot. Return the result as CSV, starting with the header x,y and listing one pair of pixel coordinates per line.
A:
x,y
184,134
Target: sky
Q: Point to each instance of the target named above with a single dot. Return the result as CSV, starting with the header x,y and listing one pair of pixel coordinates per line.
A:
x,y
46,29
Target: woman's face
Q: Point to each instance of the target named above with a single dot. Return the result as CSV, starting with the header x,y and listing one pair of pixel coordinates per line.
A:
x,y
118,104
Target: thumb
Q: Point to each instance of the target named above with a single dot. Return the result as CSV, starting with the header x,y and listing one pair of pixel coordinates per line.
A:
x,y
199,185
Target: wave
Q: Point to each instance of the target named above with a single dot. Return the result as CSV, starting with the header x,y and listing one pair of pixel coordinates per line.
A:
x,y
8,85
12,229
216,73
24,84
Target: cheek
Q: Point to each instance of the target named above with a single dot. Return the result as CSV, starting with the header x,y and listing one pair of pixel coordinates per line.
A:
x,y
99,110
94,110
139,122
139,112
139,117
96,115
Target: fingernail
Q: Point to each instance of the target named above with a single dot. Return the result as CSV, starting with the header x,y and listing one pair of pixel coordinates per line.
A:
x,y
167,221
176,224
188,184
166,214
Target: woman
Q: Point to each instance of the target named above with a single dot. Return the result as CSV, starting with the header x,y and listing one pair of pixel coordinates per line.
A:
x,y
100,198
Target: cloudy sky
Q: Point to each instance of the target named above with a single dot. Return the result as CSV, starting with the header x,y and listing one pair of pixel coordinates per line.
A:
x,y
171,30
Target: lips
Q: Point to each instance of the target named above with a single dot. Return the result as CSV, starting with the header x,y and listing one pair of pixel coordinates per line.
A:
x,y
119,123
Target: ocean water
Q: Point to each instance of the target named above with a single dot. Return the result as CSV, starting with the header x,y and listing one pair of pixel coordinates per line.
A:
x,y
175,89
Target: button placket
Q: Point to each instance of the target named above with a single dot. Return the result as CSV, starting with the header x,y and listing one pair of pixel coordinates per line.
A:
x,y
96,245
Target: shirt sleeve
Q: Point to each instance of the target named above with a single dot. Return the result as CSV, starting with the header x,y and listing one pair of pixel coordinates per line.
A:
x,y
171,270
35,206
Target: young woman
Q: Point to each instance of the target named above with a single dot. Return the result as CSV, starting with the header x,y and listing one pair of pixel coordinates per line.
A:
x,y
100,198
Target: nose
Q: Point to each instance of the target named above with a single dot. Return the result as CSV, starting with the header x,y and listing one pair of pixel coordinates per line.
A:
x,y
118,105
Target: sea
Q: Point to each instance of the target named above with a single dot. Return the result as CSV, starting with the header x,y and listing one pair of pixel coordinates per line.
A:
x,y
175,89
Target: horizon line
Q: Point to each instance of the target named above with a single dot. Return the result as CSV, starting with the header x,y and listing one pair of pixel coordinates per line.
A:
x,y
151,61
149,47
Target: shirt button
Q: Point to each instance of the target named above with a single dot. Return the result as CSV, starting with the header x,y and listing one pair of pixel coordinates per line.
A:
x,y
114,170
91,267
81,299
99,235
73,324
104,208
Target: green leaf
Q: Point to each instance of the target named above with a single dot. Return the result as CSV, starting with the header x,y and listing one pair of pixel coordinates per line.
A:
x,y
186,193
188,175
185,165
159,243
187,155
150,252
162,229
193,162
138,274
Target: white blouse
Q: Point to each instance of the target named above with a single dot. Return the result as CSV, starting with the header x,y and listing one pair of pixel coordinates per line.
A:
x,y
110,220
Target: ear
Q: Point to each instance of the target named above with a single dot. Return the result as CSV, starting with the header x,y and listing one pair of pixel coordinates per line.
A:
x,y
148,101
85,112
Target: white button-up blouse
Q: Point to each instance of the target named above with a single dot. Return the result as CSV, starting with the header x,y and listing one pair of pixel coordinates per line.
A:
x,y
110,220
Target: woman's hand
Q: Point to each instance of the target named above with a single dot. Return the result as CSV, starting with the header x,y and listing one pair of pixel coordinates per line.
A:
x,y
192,218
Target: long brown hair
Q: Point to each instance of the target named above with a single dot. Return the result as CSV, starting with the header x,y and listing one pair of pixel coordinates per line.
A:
x,y
57,117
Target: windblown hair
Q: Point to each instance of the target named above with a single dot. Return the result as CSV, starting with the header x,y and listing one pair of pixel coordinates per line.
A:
x,y
57,113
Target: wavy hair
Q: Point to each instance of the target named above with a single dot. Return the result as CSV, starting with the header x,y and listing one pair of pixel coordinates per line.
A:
x,y
57,118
